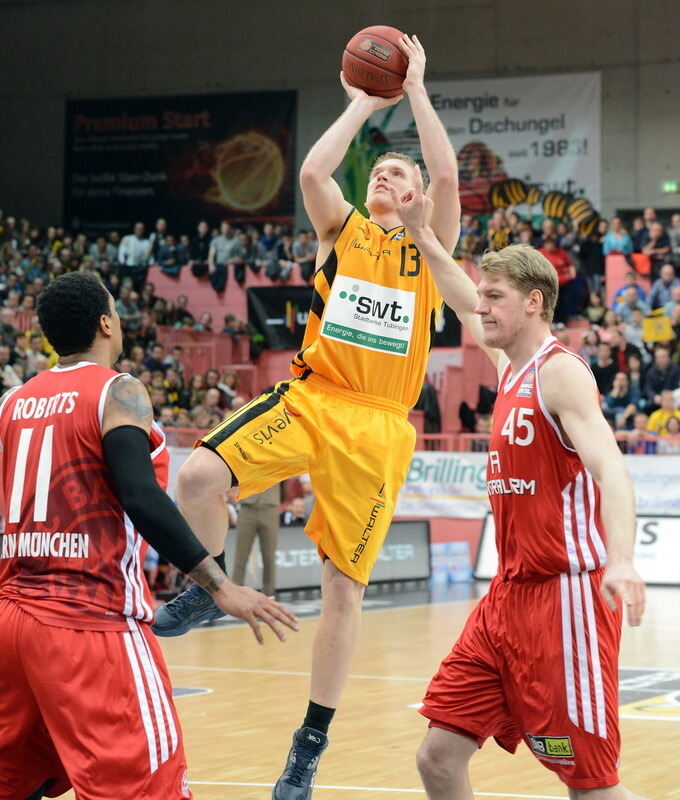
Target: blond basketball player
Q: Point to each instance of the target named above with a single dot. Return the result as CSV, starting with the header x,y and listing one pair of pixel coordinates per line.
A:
x,y
343,418
538,658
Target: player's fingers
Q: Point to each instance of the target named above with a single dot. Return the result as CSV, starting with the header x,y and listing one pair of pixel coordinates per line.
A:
x,y
406,45
268,619
418,45
635,604
255,625
609,596
283,615
419,180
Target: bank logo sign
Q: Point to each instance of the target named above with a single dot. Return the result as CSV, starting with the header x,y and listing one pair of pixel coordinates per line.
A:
x,y
368,315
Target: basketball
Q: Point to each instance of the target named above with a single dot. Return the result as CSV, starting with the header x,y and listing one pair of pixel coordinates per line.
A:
x,y
374,62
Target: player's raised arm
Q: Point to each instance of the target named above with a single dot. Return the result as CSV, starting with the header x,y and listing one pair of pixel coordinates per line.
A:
x,y
455,286
438,153
125,426
570,394
324,203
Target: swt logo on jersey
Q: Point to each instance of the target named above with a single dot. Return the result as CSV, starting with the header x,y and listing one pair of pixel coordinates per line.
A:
x,y
369,315
527,387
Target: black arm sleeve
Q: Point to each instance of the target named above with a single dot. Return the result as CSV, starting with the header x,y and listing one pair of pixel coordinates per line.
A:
x,y
154,515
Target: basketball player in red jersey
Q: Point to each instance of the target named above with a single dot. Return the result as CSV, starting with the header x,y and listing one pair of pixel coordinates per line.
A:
x,y
537,659
85,696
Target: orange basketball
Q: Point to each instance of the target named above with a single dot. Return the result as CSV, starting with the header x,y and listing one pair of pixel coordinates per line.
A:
x,y
374,62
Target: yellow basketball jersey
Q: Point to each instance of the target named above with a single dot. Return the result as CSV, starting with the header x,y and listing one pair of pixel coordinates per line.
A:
x,y
372,318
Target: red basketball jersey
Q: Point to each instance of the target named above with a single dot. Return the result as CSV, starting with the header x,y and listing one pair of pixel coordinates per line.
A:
x,y
70,555
545,503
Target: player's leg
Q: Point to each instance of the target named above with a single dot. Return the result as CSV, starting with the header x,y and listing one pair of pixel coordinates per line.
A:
x,y
29,763
259,445
106,699
442,762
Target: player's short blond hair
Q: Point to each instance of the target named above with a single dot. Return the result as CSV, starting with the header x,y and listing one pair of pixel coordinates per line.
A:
x,y
401,157
526,269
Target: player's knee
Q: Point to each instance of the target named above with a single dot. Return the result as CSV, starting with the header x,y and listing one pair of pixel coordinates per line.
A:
x,y
202,475
435,764
344,592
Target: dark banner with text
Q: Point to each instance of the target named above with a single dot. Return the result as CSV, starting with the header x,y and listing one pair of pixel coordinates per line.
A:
x,y
280,314
215,156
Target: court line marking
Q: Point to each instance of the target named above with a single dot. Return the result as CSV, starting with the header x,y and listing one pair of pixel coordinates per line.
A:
x,y
291,672
645,717
382,789
235,623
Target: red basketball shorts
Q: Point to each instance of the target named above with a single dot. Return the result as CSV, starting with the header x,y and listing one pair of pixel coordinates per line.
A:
x,y
538,662
87,709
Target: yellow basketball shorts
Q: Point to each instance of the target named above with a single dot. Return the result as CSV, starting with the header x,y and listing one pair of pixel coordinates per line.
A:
x,y
356,448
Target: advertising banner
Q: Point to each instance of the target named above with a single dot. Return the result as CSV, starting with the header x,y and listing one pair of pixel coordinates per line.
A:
x,y
280,314
657,550
184,158
536,139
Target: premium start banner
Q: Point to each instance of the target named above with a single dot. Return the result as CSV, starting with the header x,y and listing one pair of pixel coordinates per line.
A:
x,y
540,132
183,158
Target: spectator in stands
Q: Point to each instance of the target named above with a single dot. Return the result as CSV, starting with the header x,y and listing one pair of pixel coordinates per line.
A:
x,y
633,333
304,253
171,257
622,401
7,328
158,400
251,253
659,418
183,418
629,279
637,378
617,239
662,375
137,357
230,326
610,322
200,248
174,360
591,261
639,440
656,245
229,385
282,266
674,238
128,311
133,256
180,313
662,286
201,419
591,343
225,249
669,441
295,513
166,417
192,396
19,354
630,301
621,349
673,304
8,375
258,517
204,322
604,368
173,386
157,239
566,272
596,309
154,361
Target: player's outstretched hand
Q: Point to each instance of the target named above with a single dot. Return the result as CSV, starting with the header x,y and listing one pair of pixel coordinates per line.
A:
x,y
376,102
414,207
413,50
255,607
623,580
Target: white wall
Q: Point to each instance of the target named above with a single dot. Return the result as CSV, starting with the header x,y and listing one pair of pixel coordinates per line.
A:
x,y
51,50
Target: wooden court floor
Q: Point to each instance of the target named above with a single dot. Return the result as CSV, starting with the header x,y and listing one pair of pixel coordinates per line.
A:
x,y
237,735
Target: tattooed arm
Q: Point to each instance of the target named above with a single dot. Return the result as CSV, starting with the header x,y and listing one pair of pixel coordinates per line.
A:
x,y
127,419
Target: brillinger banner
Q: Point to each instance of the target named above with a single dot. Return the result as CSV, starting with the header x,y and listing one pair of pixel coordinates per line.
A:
x,y
183,158
535,139
448,484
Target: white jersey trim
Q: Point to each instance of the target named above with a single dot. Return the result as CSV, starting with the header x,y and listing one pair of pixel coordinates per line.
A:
x,y
79,365
511,380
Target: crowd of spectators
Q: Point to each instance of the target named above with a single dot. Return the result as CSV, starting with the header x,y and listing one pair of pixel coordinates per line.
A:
x,y
639,380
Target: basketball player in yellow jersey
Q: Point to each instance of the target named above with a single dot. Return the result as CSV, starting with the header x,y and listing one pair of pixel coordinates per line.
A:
x,y
343,419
